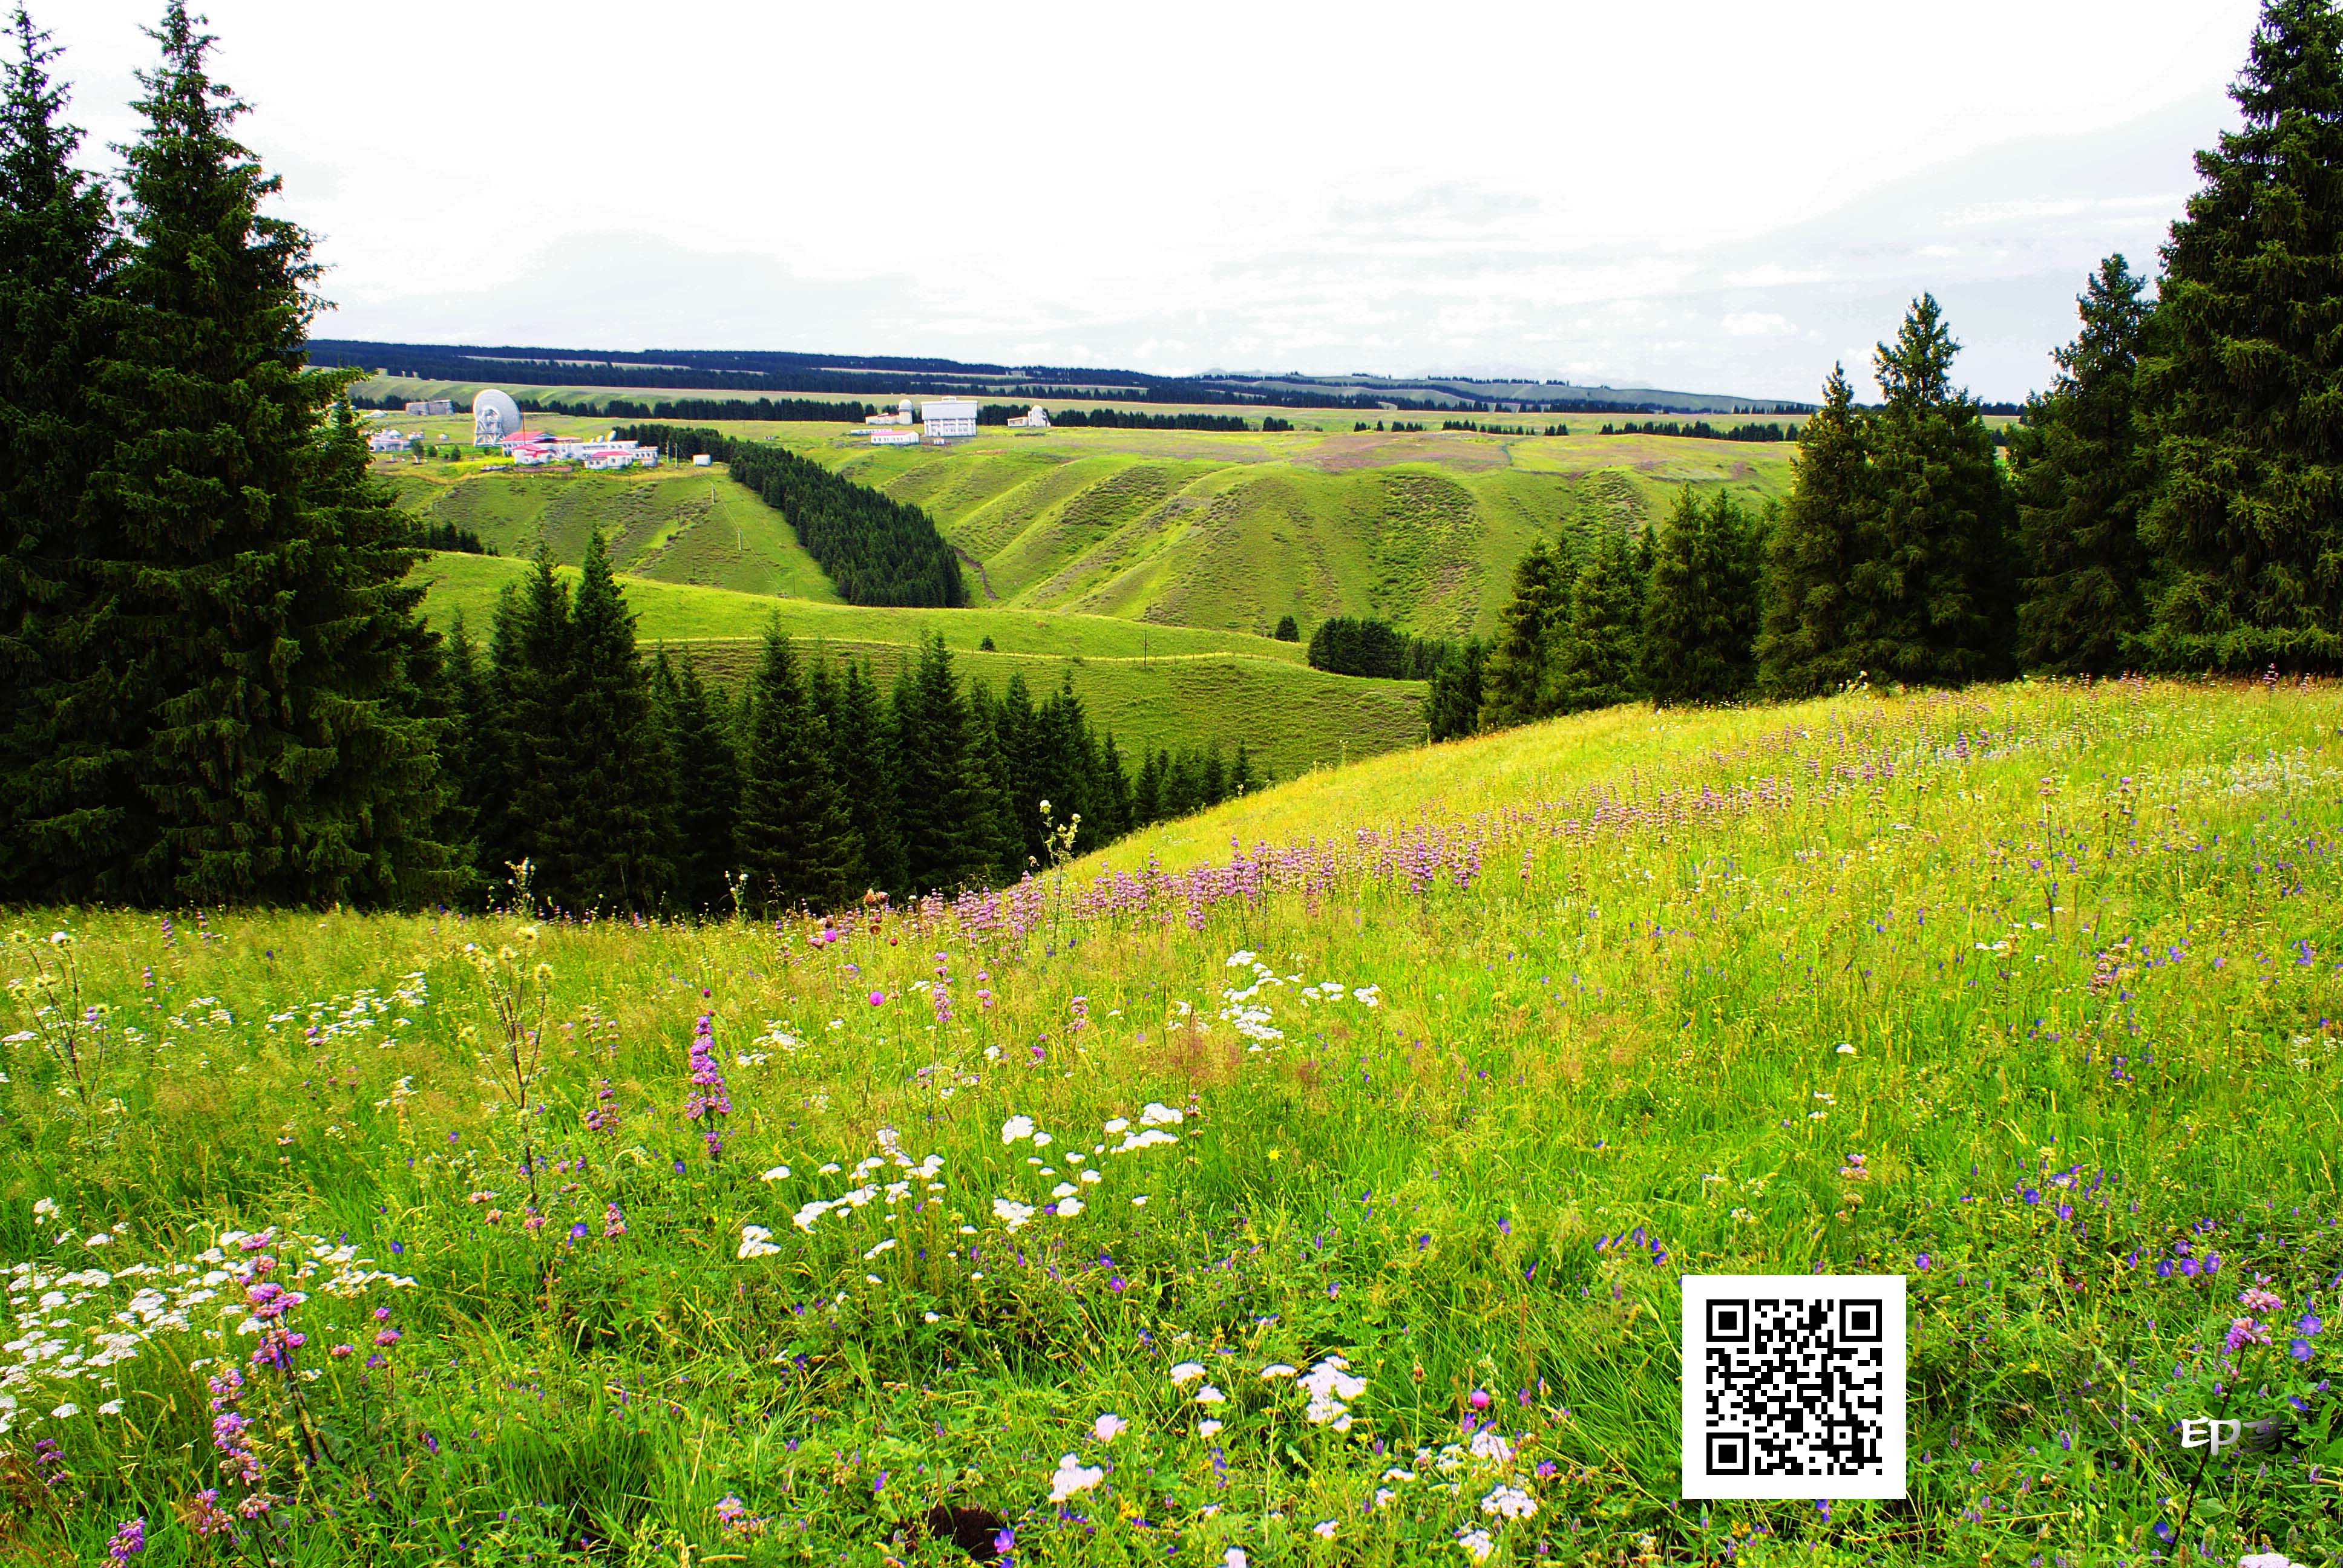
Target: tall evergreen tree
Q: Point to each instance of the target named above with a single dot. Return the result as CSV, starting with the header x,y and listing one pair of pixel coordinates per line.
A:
x,y
1515,687
706,788
1931,592
67,804
945,815
238,605
2081,477
620,777
861,756
472,754
382,718
794,838
1597,651
1453,708
532,680
1803,644
2241,391
1700,613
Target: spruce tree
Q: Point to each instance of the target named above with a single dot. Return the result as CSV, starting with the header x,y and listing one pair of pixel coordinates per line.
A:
x,y
707,789
532,680
1803,644
2081,477
861,757
946,816
1453,708
1516,685
382,717
793,838
1700,612
620,773
1597,650
2240,390
235,600
1931,596
68,809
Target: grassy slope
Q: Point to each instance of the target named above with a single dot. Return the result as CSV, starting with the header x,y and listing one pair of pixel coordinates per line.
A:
x,y
1150,685
1180,527
2084,1032
1211,529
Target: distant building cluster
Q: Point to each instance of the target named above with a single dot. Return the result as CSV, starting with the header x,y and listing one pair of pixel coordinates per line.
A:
x,y
497,422
388,441
432,405
1034,418
535,448
943,419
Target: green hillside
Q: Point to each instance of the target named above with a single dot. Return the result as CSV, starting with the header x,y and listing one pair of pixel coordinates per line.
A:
x,y
1186,529
1151,685
1200,529
671,525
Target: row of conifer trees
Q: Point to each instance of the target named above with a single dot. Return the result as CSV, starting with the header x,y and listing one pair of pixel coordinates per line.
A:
x,y
2173,503
622,785
215,682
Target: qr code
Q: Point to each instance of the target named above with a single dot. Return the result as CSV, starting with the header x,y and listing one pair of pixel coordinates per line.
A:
x,y
1794,1385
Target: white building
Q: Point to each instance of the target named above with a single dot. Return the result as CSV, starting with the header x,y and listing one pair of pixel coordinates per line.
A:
x,y
902,416
432,405
949,418
388,441
701,460
894,438
1034,418
495,416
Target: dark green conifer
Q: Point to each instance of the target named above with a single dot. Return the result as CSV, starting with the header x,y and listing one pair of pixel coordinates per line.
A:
x,y
861,756
233,596
707,789
2081,477
1931,592
1453,709
382,719
793,838
1817,542
620,777
1516,685
2241,388
531,683
1700,613
70,813
1595,655
946,816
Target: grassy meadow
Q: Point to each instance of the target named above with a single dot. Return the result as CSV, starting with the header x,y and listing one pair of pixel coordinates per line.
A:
x,y
1309,1186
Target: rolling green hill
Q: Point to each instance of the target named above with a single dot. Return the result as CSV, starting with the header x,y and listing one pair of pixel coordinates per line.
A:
x,y
1150,686
1200,529
1175,529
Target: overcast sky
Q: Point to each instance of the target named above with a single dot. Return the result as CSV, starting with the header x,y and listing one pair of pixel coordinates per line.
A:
x,y
1703,196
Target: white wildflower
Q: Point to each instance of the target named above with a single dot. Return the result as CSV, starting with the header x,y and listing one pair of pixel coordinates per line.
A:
x,y
1108,1427
1072,1476
1186,1372
1476,1544
1015,1127
778,1173
1511,1502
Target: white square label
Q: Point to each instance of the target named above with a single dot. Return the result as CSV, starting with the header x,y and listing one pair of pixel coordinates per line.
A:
x,y
1794,1385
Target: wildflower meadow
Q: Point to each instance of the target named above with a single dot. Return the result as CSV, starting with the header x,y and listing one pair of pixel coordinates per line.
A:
x,y
1314,1188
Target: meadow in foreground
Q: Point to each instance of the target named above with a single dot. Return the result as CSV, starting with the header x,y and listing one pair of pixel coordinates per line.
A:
x,y
1321,1201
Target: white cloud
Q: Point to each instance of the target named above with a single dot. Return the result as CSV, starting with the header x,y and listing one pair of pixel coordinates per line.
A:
x,y
1369,194
1757,324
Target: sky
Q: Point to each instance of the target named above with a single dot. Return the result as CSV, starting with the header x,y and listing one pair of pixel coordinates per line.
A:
x,y
1696,197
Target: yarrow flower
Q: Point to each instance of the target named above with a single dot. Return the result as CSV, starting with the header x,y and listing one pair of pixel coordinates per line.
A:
x,y
1072,1476
1510,1503
1476,1544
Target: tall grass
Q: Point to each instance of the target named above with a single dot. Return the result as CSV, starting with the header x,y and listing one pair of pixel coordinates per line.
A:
x,y
1450,1072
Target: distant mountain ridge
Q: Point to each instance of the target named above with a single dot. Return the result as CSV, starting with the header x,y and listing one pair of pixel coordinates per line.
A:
x,y
870,376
